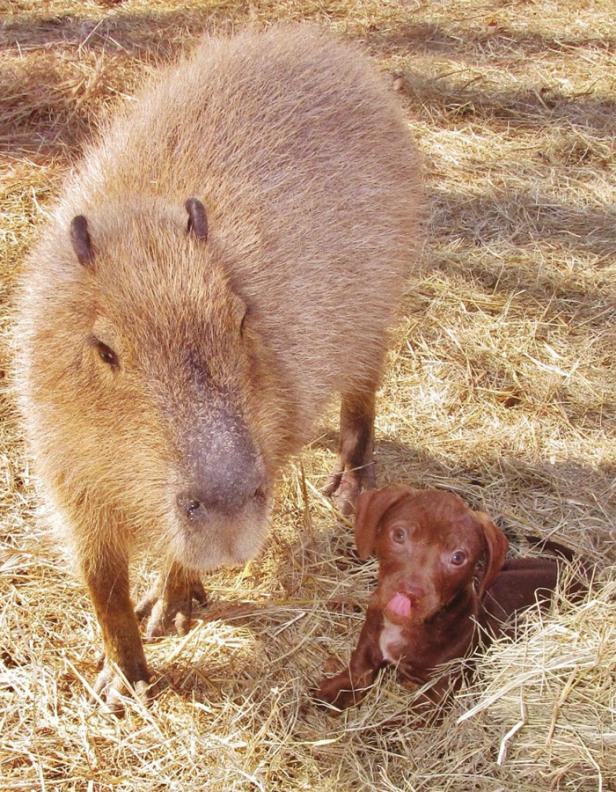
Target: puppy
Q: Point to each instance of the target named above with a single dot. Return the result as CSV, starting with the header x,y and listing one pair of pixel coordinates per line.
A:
x,y
442,572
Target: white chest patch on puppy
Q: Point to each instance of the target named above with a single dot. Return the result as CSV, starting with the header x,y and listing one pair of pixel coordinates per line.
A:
x,y
391,642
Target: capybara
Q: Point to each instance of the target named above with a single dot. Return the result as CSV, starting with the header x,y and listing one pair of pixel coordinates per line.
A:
x,y
228,256
443,584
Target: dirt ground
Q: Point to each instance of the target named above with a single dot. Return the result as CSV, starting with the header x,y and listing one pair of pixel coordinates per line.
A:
x,y
501,386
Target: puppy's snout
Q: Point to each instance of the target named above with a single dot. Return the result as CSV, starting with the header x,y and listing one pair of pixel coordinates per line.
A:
x,y
413,591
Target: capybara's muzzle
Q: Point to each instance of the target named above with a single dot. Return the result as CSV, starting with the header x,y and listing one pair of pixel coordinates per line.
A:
x,y
225,472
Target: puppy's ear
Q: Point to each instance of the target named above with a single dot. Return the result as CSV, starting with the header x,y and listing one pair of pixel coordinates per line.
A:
x,y
371,508
496,545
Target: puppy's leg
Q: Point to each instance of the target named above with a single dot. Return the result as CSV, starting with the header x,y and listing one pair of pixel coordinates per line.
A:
x,y
347,688
540,565
519,586
431,705
351,685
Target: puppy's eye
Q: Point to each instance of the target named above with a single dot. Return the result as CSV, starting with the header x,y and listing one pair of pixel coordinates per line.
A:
x,y
106,353
398,535
458,558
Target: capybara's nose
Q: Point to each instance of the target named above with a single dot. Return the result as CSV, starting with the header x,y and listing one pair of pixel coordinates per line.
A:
x,y
191,507
199,503
223,469
195,506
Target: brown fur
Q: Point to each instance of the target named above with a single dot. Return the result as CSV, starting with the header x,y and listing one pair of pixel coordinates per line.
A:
x,y
447,599
281,297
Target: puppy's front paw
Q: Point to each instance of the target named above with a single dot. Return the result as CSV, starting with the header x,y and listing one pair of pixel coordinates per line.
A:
x,y
337,693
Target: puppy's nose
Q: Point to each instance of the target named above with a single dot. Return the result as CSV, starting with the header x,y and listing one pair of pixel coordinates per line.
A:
x,y
413,591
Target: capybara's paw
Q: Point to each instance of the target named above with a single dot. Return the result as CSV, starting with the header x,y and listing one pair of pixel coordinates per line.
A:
x,y
170,611
113,687
336,692
344,489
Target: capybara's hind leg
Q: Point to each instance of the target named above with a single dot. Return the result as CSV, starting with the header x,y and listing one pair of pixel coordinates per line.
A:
x,y
354,469
168,606
107,581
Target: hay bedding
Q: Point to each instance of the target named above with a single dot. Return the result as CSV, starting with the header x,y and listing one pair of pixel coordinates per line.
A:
x,y
501,386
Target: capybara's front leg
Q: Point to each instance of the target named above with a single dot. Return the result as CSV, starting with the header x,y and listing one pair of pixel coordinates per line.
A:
x,y
168,606
354,469
107,581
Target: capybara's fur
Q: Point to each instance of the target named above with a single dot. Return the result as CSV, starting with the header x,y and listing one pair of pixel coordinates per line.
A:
x,y
172,358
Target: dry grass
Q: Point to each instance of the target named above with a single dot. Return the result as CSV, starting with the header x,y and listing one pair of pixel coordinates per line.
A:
x,y
501,385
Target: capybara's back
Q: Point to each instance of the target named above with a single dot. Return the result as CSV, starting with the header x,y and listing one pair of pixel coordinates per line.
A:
x,y
230,254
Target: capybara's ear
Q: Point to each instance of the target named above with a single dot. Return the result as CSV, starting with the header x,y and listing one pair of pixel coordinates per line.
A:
x,y
371,508
197,218
496,545
80,240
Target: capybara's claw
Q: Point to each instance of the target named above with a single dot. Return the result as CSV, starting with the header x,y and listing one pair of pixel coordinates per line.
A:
x,y
113,688
170,610
333,482
168,617
346,494
344,488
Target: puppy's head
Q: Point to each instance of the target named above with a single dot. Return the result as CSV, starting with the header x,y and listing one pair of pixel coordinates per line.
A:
x,y
429,545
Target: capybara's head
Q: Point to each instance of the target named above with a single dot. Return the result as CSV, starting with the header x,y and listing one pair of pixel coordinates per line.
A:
x,y
429,544
146,372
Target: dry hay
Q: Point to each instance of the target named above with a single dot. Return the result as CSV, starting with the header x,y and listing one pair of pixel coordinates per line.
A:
x,y
501,386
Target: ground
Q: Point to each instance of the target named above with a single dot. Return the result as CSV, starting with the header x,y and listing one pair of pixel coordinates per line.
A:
x,y
500,385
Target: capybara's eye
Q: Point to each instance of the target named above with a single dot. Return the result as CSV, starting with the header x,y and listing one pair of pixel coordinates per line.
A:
x,y
458,558
398,535
106,354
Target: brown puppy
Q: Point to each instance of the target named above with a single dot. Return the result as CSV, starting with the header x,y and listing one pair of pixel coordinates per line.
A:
x,y
431,590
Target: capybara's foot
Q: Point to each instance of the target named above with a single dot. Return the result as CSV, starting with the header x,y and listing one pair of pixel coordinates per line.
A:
x,y
344,486
168,606
338,692
355,468
113,686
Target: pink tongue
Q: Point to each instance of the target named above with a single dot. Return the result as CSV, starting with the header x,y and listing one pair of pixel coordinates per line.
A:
x,y
400,604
